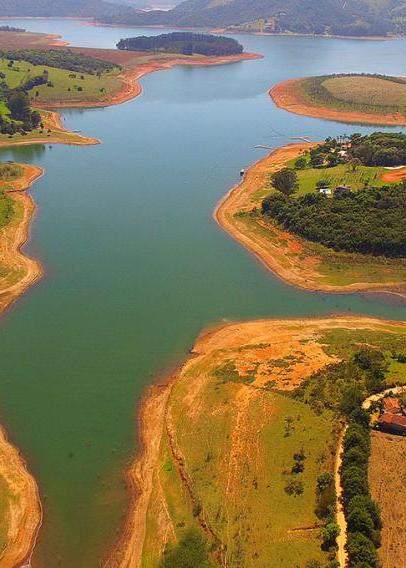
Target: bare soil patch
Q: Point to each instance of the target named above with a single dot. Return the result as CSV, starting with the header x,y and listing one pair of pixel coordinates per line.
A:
x,y
387,474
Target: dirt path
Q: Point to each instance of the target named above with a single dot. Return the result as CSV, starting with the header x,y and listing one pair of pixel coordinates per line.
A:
x,y
278,250
286,95
23,512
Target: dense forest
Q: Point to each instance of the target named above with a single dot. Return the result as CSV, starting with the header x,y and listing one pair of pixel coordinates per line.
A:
x,y
354,17
186,43
62,59
380,149
369,221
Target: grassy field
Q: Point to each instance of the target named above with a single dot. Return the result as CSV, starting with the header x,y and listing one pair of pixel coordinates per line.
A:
x,y
338,175
367,91
67,86
364,93
228,474
387,474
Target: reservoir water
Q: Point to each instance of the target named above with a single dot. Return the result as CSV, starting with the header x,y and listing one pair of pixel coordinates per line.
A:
x,y
136,267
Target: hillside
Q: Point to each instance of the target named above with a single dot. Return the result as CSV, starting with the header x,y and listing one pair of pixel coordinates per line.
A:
x,y
62,8
353,18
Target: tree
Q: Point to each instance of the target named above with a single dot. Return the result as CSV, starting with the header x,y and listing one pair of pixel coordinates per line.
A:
x,y
300,164
285,181
190,552
359,520
354,164
324,481
361,550
329,534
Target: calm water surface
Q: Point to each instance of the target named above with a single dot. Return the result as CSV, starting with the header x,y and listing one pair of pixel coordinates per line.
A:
x,y
136,267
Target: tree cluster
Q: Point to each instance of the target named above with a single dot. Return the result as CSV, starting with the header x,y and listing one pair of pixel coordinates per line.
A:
x,y
60,58
192,550
186,43
369,221
380,149
11,29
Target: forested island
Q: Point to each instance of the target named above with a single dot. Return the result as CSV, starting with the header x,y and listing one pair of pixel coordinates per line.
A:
x,y
348,208
186,43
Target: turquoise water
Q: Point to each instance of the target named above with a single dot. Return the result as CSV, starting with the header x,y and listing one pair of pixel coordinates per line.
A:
x,y
136,267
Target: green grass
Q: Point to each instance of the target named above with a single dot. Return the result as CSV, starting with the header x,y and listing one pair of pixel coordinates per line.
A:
x,y
66,83
377,94
338,175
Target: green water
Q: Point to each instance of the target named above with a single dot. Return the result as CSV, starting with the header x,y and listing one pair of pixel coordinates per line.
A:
x,y
136,267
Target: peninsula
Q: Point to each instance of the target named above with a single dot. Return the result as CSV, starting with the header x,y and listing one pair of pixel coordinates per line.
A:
x,y
318,173
349,98
253,478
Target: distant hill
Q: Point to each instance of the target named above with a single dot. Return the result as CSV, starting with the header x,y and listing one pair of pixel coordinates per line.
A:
x,y
333,17
336,17
62,8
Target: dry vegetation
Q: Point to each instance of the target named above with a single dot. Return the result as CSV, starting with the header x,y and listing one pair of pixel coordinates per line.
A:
x,y
387,473
227,473
367,91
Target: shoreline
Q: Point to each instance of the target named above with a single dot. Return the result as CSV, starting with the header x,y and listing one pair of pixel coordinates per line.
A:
x,y
15,235
154,404
286,96
25,510
277,250
130,79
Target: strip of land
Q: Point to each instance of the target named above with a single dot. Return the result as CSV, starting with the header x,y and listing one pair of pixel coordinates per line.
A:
x,y
17,270
289,96
294,259
227,475
20,508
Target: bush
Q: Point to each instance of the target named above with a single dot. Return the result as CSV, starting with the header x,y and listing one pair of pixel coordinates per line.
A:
x,y
190,552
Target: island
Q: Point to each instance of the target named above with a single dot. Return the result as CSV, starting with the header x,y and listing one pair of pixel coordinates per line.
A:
x,y
187,43
355,98
272,469
315,214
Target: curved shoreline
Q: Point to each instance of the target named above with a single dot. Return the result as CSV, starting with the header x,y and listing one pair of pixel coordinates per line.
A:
x,y
131,87
153,412
286,95
15,235
24,513
277,249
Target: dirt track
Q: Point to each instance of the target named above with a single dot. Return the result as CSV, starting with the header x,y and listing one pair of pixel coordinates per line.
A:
x,y
286,95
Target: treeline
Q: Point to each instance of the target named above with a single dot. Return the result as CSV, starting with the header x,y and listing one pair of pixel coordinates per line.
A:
x,y
369,221
380,149
186,43
353,18
62,59
11,29
341,388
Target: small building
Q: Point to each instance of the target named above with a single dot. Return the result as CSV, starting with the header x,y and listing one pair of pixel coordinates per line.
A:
x,y
392,405
392,423
325,190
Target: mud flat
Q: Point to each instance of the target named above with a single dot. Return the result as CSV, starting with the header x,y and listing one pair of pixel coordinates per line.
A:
x,y
295,260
